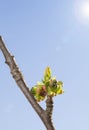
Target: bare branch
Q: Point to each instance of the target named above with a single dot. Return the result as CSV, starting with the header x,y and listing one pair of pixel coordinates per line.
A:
x,y
49,108
17,75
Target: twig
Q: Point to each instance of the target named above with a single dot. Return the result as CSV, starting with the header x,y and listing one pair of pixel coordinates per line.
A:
x,y
17,75
49,108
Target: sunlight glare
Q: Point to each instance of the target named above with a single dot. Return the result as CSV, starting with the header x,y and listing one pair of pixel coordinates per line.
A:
x,y
82,11
85,9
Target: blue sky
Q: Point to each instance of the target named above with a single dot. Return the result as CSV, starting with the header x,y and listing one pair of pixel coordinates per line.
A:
x,y
39,34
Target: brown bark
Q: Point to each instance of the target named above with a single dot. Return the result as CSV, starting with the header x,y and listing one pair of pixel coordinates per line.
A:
x,y
49,108
17,75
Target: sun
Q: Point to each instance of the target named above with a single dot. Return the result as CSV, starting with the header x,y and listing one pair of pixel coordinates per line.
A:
x,y
81,9
85,9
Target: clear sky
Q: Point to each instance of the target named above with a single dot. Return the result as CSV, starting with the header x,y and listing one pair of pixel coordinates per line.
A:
x,y
42,33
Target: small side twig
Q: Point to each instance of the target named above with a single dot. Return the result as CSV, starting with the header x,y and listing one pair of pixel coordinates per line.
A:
x,y
49,108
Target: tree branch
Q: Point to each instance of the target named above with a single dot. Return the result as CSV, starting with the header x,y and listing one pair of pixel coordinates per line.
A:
x,y
49,108
17,75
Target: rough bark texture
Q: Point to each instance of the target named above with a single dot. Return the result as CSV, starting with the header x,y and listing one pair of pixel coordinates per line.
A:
x,y
49,109
17,75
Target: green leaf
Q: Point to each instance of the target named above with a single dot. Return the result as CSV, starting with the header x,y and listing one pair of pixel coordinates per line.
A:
x,y
60,87
39,98
39,91
53,83
47,74
60,83
33,90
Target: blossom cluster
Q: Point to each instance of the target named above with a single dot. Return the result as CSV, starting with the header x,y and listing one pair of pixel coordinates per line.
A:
x,y
48,87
